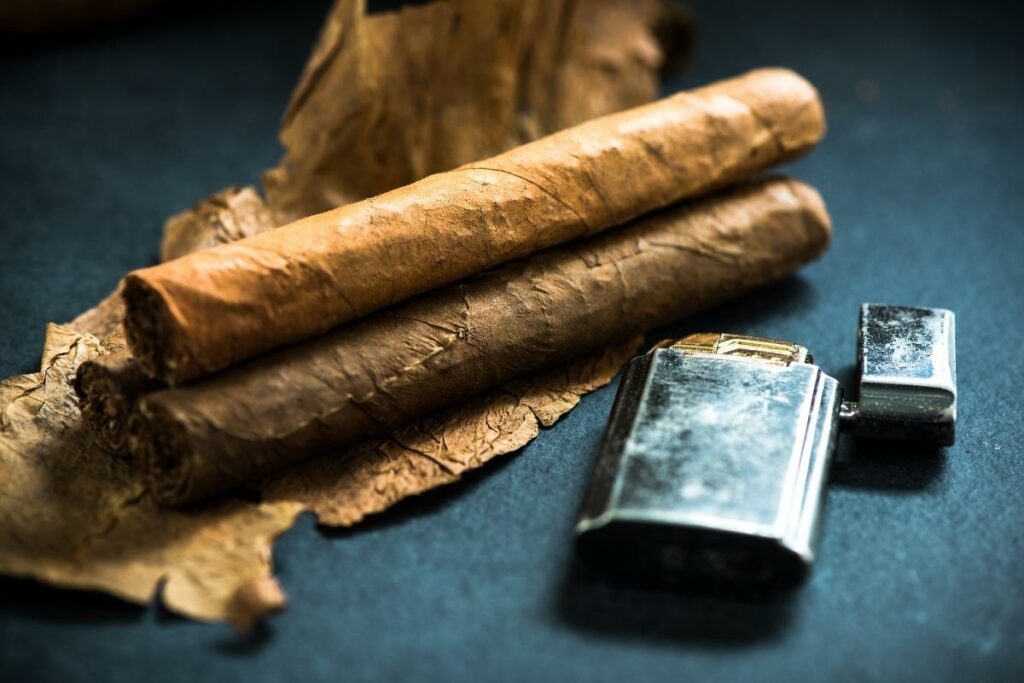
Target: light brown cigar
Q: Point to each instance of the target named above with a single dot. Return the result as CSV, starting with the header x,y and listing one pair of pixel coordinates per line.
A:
x,y
375,374
211,309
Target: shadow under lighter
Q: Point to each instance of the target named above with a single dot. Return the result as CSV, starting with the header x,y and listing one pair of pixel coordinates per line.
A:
x,y
717,451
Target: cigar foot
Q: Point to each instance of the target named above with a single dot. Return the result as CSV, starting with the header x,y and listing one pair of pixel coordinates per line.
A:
x,y
152,332
107,387
162,446
103,407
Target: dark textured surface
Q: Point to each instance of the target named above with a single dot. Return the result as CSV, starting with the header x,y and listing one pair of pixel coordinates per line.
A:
x,y
920,569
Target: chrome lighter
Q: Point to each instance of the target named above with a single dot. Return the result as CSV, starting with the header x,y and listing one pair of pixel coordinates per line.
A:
x,y
716,455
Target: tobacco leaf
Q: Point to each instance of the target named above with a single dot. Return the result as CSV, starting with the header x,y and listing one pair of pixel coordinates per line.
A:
x,y
389,98
226,216
73,515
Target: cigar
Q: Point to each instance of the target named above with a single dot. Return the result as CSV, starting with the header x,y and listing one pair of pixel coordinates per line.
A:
x,y
375,374
206,311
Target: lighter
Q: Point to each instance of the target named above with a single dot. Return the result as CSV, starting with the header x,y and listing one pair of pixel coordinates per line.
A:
x,y
715,459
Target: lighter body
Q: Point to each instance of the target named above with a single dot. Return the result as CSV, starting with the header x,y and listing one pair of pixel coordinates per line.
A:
x,y
713,466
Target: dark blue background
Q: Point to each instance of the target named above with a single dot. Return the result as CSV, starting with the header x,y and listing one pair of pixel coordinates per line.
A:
x,y
920,571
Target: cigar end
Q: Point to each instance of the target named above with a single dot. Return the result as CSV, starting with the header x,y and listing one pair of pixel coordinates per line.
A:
x,y
104,404
155,439
153,333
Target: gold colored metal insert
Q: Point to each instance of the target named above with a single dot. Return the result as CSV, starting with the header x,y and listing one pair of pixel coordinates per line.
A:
x,y
775,351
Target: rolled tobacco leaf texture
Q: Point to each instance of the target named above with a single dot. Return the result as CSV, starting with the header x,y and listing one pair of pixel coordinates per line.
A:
x,y
206,311
372,375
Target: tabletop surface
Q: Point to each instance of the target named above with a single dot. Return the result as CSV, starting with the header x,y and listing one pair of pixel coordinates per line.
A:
x,y
921,564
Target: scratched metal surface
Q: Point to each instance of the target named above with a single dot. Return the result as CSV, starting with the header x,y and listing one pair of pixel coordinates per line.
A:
x,y
907,362
712,440
919,568
712,461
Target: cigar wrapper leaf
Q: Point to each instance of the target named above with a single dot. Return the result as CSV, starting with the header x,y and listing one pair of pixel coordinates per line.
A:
x,y
206,311
375,374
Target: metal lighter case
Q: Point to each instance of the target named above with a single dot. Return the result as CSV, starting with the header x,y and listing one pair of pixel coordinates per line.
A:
x,y
716,455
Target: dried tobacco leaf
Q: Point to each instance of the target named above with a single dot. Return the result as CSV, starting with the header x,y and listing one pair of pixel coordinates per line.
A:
x,y
227,216
184,550
389,98
73,515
